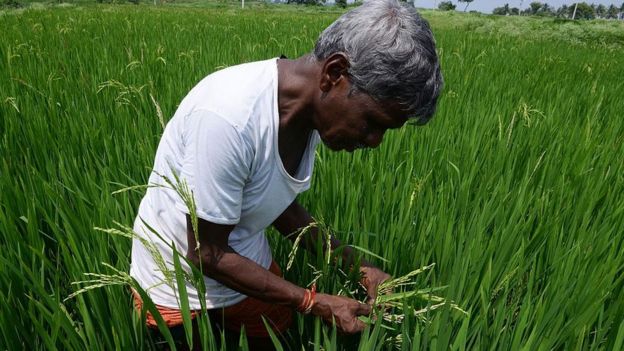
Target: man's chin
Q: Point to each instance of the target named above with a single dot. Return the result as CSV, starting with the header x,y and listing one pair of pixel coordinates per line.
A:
x,y
333,146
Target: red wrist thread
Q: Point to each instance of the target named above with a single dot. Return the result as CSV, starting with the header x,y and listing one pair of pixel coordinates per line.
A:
x,y
308,301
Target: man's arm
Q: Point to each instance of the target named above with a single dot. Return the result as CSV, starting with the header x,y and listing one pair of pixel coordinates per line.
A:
x,y
220,262
296,217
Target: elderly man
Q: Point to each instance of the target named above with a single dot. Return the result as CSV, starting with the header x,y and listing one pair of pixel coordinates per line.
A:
x,y
244,141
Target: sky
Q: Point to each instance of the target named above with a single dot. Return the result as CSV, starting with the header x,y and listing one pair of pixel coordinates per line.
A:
x,y
487,6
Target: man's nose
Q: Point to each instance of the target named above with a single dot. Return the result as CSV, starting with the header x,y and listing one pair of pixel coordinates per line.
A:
x,y
375,138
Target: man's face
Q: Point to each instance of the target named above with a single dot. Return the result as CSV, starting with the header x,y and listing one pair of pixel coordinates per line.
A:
x,y
348,121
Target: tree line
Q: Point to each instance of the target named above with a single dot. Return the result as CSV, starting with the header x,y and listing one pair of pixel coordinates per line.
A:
x,y
581,10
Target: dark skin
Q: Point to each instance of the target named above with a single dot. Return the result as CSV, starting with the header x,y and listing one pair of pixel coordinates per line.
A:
x,y
312,95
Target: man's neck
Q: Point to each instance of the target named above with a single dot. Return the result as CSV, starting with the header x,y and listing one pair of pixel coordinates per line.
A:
x,y
295,96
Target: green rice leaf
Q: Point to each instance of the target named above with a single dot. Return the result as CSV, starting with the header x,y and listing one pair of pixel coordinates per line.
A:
x,y
182,296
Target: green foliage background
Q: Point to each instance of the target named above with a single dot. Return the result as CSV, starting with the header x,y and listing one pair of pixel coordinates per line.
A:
x,y
514,190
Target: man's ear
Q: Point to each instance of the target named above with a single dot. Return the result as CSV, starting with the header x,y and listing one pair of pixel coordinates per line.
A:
x,y
335,68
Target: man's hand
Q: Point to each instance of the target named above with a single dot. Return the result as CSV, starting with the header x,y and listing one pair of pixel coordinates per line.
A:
x,y
371,278
341,310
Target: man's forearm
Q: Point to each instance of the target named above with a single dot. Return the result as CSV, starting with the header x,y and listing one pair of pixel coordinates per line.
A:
x,y
242,274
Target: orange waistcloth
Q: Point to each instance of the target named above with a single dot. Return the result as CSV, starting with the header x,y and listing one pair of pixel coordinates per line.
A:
x,y
248,313
171,316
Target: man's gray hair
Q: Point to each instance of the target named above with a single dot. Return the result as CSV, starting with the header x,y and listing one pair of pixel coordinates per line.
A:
x,y
391,52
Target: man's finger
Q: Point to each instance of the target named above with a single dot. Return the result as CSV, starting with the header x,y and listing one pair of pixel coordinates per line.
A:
x,y
372,294
359,325
363,310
